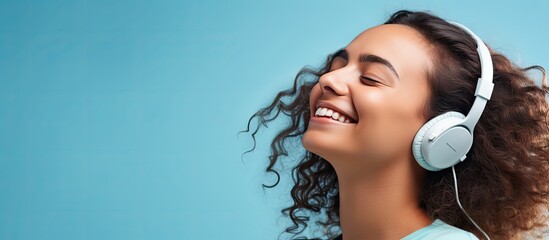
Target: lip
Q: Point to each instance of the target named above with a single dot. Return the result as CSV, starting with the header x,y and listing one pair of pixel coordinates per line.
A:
x,y
325,120
331,106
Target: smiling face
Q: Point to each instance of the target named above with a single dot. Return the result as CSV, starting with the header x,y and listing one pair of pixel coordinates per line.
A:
x,y
378,83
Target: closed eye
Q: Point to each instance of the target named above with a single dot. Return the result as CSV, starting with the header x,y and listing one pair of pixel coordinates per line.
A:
x,y
370,80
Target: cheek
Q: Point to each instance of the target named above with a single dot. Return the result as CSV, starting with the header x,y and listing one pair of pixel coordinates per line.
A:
x,y
389,120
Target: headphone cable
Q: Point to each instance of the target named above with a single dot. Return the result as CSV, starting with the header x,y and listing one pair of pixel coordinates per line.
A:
x,y
459,204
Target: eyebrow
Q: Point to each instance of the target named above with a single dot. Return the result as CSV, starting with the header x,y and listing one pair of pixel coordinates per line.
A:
x,y
367,58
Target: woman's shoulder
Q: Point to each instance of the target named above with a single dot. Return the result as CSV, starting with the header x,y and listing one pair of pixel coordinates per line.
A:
x,y
440,230
437,230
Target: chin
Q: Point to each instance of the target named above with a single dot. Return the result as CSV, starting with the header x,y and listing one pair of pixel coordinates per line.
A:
x,y
320,144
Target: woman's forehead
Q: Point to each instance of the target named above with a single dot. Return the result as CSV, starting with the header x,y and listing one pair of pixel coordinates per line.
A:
x,y
404,47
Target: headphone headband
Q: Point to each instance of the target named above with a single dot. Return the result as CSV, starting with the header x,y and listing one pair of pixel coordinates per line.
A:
x,y
485,86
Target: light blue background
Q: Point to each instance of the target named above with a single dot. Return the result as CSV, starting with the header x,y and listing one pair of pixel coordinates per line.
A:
x,y
118,119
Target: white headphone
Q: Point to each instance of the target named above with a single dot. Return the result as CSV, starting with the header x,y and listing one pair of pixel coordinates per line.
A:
x,y
444,141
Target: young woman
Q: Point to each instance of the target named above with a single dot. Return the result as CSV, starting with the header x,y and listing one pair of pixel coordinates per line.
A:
x,y
355,120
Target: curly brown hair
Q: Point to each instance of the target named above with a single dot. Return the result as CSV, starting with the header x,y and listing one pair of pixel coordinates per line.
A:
x,y
504,184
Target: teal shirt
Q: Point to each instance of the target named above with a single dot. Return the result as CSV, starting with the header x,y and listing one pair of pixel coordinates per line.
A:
x,y
438,230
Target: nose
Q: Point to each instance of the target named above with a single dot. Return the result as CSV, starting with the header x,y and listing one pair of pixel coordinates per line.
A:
x,y
335,82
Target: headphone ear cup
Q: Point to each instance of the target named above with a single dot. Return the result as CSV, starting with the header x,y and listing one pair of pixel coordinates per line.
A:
x,y
438,122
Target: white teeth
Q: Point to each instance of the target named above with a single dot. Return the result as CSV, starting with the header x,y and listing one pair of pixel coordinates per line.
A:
x,y
317,111
322,111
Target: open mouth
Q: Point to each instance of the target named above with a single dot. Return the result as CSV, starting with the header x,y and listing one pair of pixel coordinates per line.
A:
x,y
334,115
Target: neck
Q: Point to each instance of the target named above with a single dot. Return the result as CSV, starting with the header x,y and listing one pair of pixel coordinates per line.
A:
x,y
380,204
